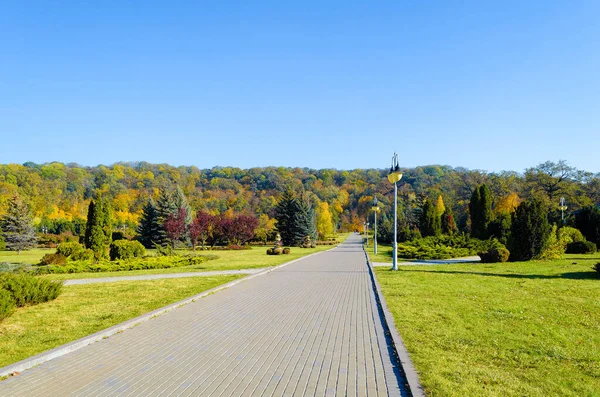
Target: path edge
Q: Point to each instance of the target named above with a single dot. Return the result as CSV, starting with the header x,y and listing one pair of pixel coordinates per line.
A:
x,y
59,351
412,377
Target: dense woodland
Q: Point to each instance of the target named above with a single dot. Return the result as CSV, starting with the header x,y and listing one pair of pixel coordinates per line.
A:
x,y
59,194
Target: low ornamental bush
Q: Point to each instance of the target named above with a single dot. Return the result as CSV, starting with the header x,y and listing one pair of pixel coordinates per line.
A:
x,y
597,268
70,248
156,262
125,249
445,247
26,289
494,255
286,251
53,259
7,304
581,247
276,251
231,247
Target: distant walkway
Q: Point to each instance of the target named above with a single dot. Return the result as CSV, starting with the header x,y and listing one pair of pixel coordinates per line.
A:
x,y
432,262
159,276
311,328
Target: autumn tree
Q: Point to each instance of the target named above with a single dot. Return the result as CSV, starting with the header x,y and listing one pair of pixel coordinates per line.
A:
x,y
16,226
201,228
175,226
529,231
265,228
480,209
439,205
324,221
149,228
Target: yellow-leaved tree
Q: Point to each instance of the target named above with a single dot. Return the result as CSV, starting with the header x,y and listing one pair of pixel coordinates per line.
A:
x,y
439,206
324,221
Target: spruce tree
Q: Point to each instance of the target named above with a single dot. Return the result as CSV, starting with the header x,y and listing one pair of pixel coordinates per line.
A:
x,y
285,215
529,231
180,201
295,218
430,221
17,226
149,228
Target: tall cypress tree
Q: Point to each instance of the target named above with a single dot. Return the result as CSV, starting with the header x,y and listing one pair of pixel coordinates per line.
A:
x,y
98,231
149,228
17,226
529,231
430,221
480,209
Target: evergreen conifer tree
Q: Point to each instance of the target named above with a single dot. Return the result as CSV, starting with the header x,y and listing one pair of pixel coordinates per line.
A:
x,y
295,218
448,223
149,228
480,209
430,221
17,226
99,228
180,201
529,231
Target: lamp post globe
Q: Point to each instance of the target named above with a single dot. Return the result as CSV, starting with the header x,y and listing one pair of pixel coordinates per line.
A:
x,y
394,177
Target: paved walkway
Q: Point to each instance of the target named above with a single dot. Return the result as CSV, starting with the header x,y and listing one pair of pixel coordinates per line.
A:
x,y
159,276
307,329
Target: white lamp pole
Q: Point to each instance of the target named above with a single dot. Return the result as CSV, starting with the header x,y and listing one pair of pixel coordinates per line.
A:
x,y
375,209
394,177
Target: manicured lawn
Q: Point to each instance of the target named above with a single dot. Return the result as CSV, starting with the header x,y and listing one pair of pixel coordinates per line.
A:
x,y
228,260
84,309
26,257
513,329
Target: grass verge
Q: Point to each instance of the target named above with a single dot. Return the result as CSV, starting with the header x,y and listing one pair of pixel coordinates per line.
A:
x,y
84,309
512,329
227,260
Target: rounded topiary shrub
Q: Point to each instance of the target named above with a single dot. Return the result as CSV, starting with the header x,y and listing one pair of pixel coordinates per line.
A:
x,y
7,304
277,251
286,251
125,249
69,249
581,247
270,251
494,255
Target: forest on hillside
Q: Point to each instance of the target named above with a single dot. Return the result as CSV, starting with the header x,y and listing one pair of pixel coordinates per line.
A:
x,y
59,194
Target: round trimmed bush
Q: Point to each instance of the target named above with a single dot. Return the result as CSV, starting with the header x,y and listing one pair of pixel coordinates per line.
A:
x,y
494,255
286,251
125,249
278,251
581,247
70,249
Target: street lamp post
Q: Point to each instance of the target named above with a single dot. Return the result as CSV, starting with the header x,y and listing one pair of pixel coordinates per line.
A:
x,y
563,208
367,233
394,177
375,209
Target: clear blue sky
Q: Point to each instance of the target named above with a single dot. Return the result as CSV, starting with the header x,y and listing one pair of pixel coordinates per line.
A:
x,y
493,85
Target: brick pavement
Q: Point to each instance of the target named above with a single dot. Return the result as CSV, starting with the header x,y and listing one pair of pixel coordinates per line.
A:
x,y
307,329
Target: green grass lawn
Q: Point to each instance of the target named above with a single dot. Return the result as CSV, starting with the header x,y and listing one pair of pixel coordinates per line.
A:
x,y
511,329
228,260
26,257
384,252
84,309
